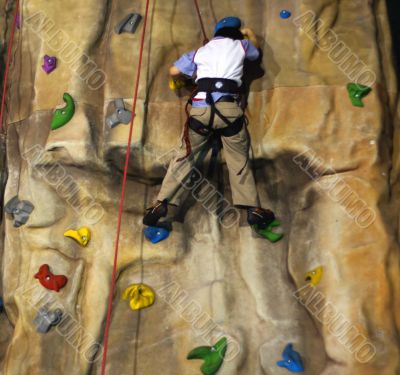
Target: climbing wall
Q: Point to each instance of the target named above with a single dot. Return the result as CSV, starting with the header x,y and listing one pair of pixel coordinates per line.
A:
x,y
326,165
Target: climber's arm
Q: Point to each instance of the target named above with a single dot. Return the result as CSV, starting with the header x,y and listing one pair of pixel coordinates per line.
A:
x,y
251,36
184,66
174,72
252,53
251,45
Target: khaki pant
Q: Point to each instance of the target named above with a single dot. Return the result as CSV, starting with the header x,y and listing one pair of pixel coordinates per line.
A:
x,y
235,148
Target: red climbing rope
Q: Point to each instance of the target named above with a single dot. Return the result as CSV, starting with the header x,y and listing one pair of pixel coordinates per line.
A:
x,y
121,203
201,22
10,44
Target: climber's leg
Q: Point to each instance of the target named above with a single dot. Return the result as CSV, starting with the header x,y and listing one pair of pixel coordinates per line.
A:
x,y
236,148
173,187
244,191
236,151
178,169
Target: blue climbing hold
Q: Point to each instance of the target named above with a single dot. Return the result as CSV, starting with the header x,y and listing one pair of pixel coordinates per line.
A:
x,y
1,304
285,14
156,234
291,360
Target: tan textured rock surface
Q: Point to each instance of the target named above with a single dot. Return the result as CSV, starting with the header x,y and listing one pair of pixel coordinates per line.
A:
x,y
299,113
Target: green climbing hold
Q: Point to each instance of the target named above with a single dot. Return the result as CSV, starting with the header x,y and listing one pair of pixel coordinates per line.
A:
x,y
268,233
357,93
63,115
213,356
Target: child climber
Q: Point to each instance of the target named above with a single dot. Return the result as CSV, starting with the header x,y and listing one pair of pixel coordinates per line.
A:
x,y
215,111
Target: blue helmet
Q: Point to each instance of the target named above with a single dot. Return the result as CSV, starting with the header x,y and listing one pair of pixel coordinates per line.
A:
x,y
228,22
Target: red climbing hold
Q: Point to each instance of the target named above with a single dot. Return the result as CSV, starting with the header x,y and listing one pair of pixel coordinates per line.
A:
x,y
49,280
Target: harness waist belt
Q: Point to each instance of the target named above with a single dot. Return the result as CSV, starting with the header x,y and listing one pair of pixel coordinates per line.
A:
x,y
229,131
226,99
217,85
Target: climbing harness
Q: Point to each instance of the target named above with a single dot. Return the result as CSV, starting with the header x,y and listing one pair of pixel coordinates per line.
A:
x,y
10,45
210,85
123,188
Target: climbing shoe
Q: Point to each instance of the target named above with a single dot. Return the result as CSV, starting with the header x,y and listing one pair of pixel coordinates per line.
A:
x,y
155,213
260,216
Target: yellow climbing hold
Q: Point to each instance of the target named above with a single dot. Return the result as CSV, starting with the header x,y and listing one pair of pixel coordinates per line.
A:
x,y
314,276
176,84
82,235
141,296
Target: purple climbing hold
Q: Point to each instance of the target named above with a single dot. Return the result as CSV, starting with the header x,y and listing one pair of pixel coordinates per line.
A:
x,y
49,63
18,21
285,14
